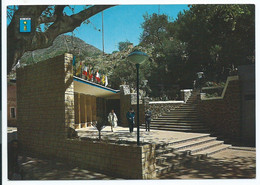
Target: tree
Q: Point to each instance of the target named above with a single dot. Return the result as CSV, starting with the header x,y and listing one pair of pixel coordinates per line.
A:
x,y
124,45
55,22
218,37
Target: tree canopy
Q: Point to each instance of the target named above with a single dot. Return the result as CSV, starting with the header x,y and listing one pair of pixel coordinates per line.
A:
x,y
48,22
214,39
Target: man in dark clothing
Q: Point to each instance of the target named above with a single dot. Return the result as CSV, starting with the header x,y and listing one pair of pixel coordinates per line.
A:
x,y
148,115
130,116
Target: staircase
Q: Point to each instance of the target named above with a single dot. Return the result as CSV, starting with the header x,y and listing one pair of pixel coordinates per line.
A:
x,y
182,119
169,156
173,155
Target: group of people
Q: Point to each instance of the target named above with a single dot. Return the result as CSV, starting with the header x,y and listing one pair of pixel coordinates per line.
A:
x,y
130,116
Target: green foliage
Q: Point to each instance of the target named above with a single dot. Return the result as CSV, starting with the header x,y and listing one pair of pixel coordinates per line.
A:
x,y
218,37
124,45
215,39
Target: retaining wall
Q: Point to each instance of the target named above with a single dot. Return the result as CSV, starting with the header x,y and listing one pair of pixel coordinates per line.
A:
x,y
223,114
160,107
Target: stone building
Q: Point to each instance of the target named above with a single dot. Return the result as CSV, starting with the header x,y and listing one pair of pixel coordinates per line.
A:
x,y
50,100
93,101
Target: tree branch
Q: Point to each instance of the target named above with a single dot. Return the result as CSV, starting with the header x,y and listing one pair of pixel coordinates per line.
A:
x,y
64,24
18,43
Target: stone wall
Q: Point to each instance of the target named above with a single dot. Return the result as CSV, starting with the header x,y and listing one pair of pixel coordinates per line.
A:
x,y
222,114
160,107
128,100
45,110
185,94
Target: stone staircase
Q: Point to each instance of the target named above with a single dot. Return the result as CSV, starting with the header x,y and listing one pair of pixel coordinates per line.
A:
x,y
182,119
170,156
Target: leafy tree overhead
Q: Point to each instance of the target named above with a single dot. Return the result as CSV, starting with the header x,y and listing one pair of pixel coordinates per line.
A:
x,y
55,22
218,37
123,45
211,38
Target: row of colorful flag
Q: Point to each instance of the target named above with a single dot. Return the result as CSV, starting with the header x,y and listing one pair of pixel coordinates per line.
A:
x,y
90,75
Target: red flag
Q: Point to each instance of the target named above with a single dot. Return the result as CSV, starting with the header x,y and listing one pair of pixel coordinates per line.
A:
x,y
85,71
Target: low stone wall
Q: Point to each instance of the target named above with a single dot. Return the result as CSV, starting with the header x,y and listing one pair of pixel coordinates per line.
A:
x,y
160,107
185,94
222,114
125,161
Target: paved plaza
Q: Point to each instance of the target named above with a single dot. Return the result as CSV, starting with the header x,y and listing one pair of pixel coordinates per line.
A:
x,y
236,162
122,133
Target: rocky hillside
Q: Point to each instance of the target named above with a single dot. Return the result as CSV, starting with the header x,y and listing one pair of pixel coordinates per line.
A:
x,y
62,44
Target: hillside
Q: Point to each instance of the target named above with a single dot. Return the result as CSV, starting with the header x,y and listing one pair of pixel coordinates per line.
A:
x,y
62,44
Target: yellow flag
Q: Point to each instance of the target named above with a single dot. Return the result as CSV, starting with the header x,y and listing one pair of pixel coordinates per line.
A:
x,y
103,79
79,69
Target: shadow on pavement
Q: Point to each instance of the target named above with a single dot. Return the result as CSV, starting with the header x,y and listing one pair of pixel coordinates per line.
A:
x,y
211,168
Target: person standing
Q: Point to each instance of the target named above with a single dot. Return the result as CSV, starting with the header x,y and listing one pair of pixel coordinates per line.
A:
x,y
112,119
130,115
148,116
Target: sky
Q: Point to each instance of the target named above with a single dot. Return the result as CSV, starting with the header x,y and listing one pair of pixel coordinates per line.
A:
x,y
121,23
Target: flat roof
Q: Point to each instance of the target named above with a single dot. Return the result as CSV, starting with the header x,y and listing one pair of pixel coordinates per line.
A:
x,y
92,88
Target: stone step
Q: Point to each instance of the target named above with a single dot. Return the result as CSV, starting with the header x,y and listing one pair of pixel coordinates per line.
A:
x,y
184,108
164,145
179,126
194,142
168,157
181,130
175,118
180,112
211,151
167,167
176,121
201,147
178,116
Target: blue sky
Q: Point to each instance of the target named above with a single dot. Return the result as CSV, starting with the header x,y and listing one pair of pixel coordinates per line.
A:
x,y
121,23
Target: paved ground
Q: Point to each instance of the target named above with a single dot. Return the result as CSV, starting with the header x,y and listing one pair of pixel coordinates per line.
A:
x,y
122,133
233,163
237,162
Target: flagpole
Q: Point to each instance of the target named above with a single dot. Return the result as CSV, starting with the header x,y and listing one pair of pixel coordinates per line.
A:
x,y
103,33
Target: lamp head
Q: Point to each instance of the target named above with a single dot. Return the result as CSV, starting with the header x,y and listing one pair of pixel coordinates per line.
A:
x,y
137,57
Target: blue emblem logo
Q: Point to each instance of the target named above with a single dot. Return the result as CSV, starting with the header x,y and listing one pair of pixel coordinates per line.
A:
x,y
25,25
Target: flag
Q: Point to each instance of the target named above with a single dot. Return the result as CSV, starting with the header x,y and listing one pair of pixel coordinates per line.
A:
x,y
79,69
103,80
74,60
90,75
97,76
85,71
106,81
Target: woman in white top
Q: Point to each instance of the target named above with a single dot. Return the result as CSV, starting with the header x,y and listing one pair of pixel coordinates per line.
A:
x,y
112,119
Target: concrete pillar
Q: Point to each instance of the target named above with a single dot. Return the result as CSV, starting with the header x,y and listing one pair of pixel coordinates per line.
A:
x,y
79,118
89,109
76,108
94,108
82,108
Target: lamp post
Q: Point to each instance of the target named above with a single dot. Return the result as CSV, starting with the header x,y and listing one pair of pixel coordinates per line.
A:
x,y
137,57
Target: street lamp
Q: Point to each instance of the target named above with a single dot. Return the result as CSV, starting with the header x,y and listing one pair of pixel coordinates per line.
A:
x,y
137,57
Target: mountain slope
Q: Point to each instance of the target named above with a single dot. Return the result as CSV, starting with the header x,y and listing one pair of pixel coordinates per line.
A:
x,y
61,44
